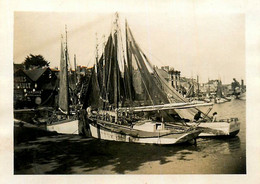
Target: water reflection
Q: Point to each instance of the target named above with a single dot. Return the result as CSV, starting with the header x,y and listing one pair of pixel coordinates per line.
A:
x,y
234,144
219,145
76,155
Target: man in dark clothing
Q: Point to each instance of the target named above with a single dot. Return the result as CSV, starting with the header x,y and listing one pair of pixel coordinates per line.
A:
x,y
197,116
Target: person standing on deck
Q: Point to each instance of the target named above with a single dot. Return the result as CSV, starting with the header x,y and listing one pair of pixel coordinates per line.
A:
x,y
89,113
197,116
214,118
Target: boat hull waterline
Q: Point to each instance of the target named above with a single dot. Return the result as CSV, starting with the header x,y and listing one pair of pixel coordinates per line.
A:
x,y
64,127
211,129
100,132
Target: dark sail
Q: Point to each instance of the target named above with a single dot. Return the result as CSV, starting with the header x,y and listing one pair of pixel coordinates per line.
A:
x,y
130,80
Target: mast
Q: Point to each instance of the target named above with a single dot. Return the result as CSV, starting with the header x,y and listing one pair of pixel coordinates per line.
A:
x,y
208,87
193,89
66,69
96,49
104,73
198,86
116,84
75,66
129,63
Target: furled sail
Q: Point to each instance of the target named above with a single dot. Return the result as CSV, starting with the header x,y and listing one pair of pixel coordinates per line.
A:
x,y
63,89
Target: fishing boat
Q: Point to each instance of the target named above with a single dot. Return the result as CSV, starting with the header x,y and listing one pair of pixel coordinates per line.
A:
x,y
224,127
220,98
125,125
238,91
242,96
126,100
228,127
64,121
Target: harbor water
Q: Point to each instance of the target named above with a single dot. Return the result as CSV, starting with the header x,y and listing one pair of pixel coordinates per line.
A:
x,y
63,154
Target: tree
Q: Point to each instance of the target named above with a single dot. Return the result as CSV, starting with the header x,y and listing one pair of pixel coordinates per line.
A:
x,y
35,61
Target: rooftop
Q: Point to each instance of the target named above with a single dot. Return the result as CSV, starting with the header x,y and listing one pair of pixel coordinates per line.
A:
x,y
35,74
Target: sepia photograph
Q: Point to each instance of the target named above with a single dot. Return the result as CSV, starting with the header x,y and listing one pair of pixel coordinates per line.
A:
x,y
133,88
129,93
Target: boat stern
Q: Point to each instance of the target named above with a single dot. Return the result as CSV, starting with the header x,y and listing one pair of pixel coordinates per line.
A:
x,y
234,127
64,127
227,127
189,136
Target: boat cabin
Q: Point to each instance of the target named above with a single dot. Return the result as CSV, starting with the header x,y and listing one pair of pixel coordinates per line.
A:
x,y
149,126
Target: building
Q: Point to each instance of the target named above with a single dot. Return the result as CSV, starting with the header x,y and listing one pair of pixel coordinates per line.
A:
x,y
18,66
210,87
173,78
34,87
22,84
83,70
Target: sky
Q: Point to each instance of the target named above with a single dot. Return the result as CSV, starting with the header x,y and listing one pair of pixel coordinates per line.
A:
x,y
196,38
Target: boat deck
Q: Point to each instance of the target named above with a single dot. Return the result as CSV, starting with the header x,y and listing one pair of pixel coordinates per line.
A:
x,y
138,133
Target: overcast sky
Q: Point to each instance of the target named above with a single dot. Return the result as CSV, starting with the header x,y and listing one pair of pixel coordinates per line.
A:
x,y
202,39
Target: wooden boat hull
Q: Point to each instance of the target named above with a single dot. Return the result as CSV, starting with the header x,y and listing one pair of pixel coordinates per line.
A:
x,y
222,100
100,132
218,128
64,127
242,96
